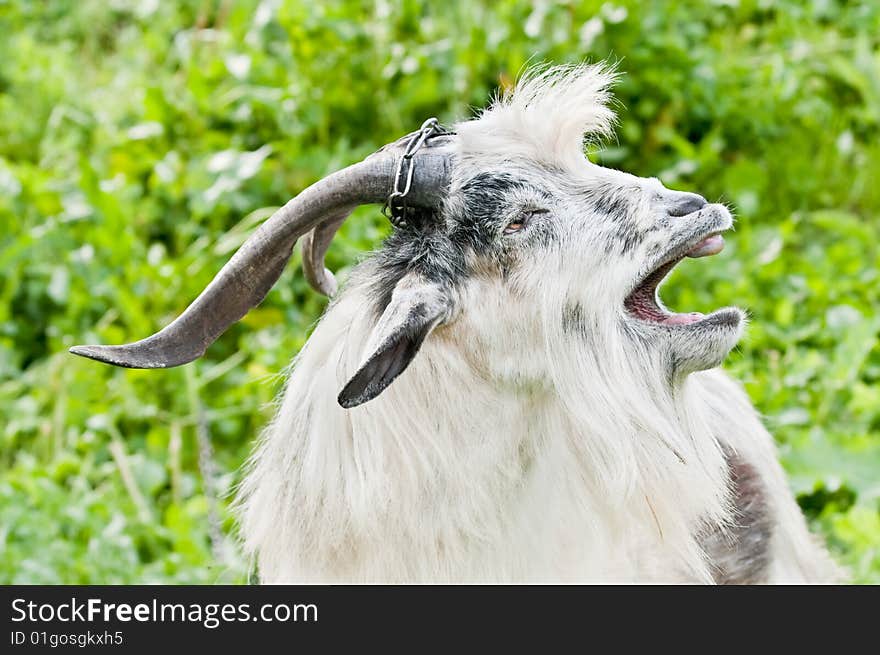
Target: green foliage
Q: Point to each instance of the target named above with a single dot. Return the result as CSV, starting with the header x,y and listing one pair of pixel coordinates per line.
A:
x,y
140,142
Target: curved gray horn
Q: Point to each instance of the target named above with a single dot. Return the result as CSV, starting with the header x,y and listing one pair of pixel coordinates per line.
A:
x,y
317,242
246,279
314,247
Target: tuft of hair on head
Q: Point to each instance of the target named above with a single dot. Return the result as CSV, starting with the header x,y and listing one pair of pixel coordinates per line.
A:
x,y
549,115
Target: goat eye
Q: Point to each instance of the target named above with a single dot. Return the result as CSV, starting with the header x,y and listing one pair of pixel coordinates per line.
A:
x,y
522,220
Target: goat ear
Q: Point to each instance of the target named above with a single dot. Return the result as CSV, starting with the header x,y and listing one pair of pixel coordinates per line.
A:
x,y
416,308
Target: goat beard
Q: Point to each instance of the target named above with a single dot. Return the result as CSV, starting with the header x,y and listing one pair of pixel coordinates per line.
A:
x,y
622,392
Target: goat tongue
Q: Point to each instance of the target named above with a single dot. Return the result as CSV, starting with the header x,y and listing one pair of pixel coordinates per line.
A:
x,y
708,246
683,319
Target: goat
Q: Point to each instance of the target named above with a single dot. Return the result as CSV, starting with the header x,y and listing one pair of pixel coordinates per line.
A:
x,y
516,404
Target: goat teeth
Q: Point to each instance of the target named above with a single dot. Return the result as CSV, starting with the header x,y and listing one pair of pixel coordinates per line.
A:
x,y
708,246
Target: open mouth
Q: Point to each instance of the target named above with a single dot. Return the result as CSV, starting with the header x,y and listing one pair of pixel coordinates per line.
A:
x,y
643,303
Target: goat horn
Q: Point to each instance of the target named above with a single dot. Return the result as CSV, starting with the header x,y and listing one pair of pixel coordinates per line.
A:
x,y
246,278
317,242
314,247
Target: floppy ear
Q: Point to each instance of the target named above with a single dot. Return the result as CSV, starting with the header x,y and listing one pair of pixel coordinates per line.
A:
x,y
416,308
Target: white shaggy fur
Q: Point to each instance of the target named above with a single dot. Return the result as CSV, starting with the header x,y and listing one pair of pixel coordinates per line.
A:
x,y
540,435
547,116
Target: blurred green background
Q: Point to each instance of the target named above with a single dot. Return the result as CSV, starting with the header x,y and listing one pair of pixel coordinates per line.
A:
x,y
141,142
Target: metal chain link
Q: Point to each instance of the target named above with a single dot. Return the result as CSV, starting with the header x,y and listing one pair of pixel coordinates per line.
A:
x,y
395,208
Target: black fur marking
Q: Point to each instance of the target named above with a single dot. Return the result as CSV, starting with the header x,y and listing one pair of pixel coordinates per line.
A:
x,y
437,245
426,249
741,554
491,201
614,205
486,197
627,234
573,319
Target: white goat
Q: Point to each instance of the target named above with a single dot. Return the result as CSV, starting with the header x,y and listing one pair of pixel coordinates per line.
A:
x,y
552,420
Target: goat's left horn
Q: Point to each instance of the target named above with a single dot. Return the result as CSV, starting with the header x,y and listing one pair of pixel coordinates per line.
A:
x,y
246,279
314,248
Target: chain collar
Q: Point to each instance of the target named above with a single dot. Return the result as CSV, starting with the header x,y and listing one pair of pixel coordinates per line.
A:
x,y
395,208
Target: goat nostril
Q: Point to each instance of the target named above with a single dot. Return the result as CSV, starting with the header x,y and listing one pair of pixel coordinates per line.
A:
x,y
687,203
